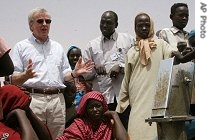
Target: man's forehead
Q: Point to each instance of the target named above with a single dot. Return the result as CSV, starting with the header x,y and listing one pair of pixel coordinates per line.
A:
x,y
107,18
42,14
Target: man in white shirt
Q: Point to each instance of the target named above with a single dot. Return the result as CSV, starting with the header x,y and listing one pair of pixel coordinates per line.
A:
x,y
108,53
41,67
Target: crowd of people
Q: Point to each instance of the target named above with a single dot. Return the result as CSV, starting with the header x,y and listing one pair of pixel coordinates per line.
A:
x,y
103,92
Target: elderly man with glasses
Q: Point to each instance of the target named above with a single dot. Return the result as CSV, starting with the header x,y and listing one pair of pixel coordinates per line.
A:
x,y
41,67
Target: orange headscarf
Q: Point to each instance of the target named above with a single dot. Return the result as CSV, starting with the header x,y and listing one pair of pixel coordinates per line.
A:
x,y
145,45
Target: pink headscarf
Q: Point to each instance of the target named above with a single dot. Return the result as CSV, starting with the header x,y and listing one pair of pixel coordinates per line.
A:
x,y
91,95
81,128
146,45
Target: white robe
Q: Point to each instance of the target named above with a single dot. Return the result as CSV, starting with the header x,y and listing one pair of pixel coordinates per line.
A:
x,y
138,90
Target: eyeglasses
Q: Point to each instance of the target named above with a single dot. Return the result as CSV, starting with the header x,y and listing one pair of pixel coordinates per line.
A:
x,y
41,21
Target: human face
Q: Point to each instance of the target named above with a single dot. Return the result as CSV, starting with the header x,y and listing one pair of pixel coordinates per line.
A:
x,y
180,18
40,29
74,56
142,26
94,109
108,24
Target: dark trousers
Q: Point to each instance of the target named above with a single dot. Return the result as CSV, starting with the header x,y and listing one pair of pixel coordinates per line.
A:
x,y
124,117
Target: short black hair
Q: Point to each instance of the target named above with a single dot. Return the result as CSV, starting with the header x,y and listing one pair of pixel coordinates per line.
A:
x,y
176,5
114,14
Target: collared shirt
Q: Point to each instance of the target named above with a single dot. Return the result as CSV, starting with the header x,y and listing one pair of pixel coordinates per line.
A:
x,y
108,52
173,35
49,62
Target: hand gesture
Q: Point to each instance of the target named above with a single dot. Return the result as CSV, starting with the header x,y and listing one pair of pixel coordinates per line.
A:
x,y
100,69
114,71
83,68
187,50
177,54
181,46
111,114
29,71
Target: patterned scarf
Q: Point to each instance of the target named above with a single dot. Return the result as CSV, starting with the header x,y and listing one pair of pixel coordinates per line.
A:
x,y
91,95
81,128
146,45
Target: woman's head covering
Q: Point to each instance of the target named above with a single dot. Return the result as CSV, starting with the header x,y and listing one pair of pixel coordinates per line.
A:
x,y
82,128
12,98
91,95
145,45
68,52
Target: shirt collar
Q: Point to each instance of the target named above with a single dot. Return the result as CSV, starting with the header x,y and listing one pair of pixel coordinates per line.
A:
x,y
176,30
112,37
37,41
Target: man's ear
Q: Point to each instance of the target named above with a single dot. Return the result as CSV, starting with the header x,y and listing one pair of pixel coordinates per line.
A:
x,y
171,16
116,25
31,27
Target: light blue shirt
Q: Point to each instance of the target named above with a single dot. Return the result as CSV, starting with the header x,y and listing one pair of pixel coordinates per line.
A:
x,y
173,35
49,62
